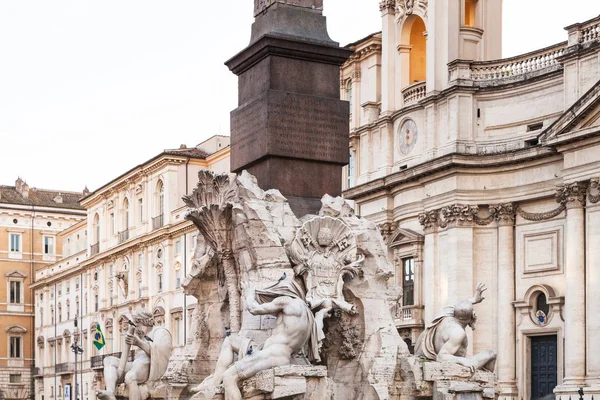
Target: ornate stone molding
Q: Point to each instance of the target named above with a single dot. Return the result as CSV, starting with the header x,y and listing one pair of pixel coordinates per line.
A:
x,y
529,216
387,6
503,213
572,195
595,188
428,220
458,215
387,229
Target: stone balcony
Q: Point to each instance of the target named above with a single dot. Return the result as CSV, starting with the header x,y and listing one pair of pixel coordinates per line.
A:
x,y
413,93
409,317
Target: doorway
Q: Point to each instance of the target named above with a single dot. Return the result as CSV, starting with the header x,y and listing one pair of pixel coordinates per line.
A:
x,y
543,366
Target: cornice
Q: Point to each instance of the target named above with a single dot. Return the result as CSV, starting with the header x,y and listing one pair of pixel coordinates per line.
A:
x,y
450,161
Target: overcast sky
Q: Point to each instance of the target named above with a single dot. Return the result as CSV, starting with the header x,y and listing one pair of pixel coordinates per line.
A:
x,y
89,89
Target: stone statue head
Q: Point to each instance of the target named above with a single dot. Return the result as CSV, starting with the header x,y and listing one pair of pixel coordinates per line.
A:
x,y
324,237
463,312
144,321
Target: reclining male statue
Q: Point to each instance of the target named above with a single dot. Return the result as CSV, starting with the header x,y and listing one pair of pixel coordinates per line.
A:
x,y
294,328
150,361
446,338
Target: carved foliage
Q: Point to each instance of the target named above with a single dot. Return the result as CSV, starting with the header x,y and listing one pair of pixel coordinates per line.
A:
x,y
210,209
503,213
428,220
344,331
458,214
572,195
594,191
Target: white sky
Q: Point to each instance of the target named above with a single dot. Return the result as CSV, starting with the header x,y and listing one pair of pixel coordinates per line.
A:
x,y
90,89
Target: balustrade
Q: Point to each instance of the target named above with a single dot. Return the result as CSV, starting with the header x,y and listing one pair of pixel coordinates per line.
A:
x,y
510,67
413,93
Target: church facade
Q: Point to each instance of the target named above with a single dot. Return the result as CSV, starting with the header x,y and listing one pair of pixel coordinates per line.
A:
x,y
483,169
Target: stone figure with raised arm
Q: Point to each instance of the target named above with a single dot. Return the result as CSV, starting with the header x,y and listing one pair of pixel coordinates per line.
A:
x,y
446,338
294,329
150,361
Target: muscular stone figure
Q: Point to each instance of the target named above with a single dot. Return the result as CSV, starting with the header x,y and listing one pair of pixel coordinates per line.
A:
x,y
446,338
150,361
294,327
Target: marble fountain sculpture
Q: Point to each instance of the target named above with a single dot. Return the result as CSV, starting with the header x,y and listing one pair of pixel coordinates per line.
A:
x,y
294,309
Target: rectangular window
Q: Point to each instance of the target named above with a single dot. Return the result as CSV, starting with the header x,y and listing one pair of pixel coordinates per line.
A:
x,y
112,223
96,303
177,247
159,283
15,347
48,245
15,378
408,281
68,284
15,292
177,279
15,242
178,331
141,209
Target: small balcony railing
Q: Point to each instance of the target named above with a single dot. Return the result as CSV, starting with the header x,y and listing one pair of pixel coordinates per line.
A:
x,y
97,362
65,368
124,236
409,316
413,93
157,222
94,249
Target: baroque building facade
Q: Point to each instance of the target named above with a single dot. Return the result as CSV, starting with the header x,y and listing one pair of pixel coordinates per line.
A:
x,y
31,220
137,251
483,169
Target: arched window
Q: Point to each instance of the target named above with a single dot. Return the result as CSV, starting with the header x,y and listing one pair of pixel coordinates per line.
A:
x,y
161,198
471,13
350,95
97,228
125,214
351,170
414,47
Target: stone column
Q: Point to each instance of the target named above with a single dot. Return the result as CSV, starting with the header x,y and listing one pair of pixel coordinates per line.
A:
x,y
429,222
592,281
388,35
573,195
504,214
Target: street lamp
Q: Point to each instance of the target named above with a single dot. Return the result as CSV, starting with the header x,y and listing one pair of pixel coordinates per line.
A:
x,y
77,349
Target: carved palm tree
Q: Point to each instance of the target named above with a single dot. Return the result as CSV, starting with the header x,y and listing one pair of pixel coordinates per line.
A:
x,y
210,209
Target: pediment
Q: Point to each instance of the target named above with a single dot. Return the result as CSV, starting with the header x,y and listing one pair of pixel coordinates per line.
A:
x,y
16,329
403,236
582,115
15,274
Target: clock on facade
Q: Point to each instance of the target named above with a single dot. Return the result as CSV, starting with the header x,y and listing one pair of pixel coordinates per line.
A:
x,y
407,136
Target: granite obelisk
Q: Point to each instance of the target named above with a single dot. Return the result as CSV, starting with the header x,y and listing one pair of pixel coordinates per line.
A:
x,y
290,129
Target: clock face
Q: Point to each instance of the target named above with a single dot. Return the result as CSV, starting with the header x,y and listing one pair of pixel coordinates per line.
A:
x,y
407,136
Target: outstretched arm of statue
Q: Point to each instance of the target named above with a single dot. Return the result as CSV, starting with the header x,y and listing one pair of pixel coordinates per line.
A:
x,y
272,307
478,297
455,342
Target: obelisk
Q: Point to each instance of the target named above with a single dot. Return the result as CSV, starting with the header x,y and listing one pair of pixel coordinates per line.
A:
x,y
290,129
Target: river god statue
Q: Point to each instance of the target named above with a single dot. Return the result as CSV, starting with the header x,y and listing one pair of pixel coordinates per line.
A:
x,y
150,361
294,328
446,338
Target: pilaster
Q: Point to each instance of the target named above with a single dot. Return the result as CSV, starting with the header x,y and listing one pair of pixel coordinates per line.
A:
x,y
573,196
388,39
504,215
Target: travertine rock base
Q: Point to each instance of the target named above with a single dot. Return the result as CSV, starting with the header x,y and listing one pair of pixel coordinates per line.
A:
x,y
442,381
291,382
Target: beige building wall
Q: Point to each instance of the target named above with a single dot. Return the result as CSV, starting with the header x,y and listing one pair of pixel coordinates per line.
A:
x,y
461,172
135,256
33,217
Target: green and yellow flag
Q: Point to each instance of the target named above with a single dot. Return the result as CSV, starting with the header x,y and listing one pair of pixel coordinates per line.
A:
x,y
98,337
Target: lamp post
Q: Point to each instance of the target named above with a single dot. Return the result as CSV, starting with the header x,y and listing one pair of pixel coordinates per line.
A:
x,y
77,350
